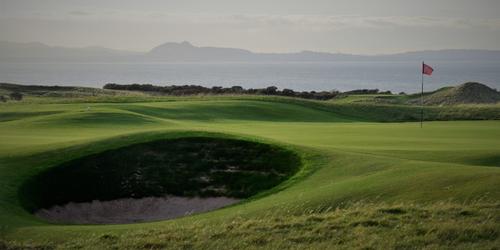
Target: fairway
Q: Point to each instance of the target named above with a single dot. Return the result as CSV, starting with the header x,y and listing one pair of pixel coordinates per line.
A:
x,y
362,183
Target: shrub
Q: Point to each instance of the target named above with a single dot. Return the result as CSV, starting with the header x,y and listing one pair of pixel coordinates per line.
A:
x,y
16,96
178,90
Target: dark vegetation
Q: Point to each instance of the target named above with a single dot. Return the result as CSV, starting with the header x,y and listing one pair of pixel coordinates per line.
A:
x,y
366,92
182,90
16,96
196,166
52,91
30,88
198,90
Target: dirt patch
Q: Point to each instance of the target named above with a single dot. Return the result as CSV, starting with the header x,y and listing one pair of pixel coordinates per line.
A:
x,y
132,210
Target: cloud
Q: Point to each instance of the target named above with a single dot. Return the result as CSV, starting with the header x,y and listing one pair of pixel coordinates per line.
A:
x,y
79,13
141,30
348,22
295,22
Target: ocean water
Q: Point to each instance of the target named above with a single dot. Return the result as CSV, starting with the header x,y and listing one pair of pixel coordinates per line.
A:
x,y
394,76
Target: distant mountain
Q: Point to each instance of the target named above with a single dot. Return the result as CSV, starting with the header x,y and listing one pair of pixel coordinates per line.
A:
x,y
185,52
35,52
467,93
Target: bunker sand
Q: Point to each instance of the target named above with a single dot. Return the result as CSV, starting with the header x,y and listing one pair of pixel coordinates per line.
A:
x,y
130,210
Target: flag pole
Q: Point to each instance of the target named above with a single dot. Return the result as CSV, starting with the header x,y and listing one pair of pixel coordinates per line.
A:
x,y
422,98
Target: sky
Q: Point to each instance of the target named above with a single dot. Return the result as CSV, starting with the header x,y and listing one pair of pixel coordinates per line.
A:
x,y
338,26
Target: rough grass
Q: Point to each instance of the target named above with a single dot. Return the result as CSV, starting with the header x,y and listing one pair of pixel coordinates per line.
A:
x,y
360,225
467,93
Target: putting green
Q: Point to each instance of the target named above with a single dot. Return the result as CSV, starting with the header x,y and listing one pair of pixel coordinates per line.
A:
x,y
346,160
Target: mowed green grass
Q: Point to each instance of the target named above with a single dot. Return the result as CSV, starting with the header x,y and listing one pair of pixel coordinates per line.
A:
x,y
363,184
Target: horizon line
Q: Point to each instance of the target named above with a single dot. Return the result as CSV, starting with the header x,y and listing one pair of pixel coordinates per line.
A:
x,y
254,52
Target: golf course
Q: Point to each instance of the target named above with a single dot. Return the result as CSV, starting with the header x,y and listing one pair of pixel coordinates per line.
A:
x,y
335,174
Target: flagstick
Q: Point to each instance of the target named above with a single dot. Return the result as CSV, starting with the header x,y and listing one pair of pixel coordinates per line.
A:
x,y
422,99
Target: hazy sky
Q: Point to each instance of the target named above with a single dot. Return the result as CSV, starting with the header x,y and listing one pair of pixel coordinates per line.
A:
x,y
349,26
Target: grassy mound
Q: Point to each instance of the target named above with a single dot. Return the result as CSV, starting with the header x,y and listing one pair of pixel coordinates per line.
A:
x,y
467,93
196,166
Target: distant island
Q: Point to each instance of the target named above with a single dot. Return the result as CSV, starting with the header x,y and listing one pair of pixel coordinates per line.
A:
x,y
186,52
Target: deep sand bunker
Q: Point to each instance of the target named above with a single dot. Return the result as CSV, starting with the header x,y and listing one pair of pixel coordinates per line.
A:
x,y
132,210
157,180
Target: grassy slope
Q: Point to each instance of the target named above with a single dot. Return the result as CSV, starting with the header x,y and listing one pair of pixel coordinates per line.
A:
x,y
393,165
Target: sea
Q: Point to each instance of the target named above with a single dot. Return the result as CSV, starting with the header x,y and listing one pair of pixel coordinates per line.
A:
x,y
402,76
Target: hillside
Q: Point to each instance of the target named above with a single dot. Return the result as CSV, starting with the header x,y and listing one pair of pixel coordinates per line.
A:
x,y
467,93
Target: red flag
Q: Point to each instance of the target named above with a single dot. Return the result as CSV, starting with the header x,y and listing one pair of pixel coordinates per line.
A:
x,y
426,69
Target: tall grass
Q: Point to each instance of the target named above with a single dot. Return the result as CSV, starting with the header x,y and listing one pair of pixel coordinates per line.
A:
x,y
358,225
